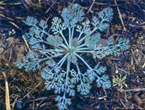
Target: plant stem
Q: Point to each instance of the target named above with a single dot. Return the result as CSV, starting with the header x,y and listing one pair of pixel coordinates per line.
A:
x,y
87,35
72,33
63,38
69,37
80,35
63,60
53,50
67,75
83,61
80,46
84,51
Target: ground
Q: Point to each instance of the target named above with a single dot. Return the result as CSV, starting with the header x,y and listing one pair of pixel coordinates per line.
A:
x,y
26,90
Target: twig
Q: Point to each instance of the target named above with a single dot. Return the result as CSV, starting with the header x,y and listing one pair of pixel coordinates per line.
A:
x,y
123,104
138,89
13,104
16,3
136,26
50,7
26,42
73,2
7,98
120,16
91,6
31,90
134,57
98,3
14,25
40,103
22,35
6,17
52,25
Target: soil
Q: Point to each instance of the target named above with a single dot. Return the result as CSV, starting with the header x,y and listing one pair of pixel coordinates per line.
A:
x,y
21,90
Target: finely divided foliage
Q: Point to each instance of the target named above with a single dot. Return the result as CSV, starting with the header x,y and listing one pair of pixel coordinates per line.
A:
x,y
64,53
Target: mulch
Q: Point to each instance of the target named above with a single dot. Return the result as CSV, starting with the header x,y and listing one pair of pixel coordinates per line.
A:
x,y
20,90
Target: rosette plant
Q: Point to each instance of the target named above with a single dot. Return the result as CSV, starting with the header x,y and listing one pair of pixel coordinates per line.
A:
x,y
73,39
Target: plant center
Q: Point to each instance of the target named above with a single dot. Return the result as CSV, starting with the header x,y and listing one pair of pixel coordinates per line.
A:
x,y
70,51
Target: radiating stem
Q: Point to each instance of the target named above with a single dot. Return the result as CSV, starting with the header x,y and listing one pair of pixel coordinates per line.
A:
x,y
86,64
83,61
63,60
69,37
42,30
72,33
87,35
64,46
64,38
80,35
53,50
67,76
78,68
79,72
80,46
84,51
43,59
90,32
